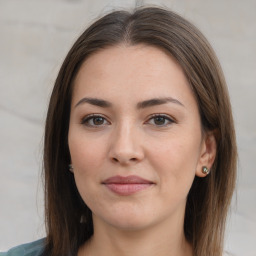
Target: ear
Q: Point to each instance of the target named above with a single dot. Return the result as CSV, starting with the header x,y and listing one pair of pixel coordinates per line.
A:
x,y
207,154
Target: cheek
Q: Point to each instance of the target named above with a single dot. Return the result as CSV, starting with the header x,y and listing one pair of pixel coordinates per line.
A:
x,y
86,154
175,162
87,157
176,152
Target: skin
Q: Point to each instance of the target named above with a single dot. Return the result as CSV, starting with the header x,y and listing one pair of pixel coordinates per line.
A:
x,y
126,140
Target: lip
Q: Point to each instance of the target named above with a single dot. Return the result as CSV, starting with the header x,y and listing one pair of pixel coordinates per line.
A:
x,y
127,185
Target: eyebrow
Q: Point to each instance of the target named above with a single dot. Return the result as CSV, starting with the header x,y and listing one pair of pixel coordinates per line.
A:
x,y
140,105
95,102
157,101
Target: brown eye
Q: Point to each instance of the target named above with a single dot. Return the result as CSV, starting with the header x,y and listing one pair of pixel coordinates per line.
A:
x,y
160,120
98,120
94,121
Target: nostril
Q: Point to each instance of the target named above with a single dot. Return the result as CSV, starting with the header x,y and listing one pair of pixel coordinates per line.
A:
x,y
134,159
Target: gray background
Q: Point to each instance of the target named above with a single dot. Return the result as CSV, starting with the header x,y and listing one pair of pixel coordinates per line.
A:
x,y
35,36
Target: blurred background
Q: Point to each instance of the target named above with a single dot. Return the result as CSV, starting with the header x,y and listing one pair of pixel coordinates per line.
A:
x,y
35,36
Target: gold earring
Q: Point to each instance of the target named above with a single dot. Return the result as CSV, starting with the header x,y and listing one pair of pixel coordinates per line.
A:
x,y
205,170
71,169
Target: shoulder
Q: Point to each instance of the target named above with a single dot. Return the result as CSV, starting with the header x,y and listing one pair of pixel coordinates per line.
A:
x,y
31,249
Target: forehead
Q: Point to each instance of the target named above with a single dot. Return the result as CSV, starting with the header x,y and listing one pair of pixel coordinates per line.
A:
x,y
139,71
140,60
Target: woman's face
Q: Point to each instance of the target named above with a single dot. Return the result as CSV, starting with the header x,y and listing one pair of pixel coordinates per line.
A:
x,y
135,137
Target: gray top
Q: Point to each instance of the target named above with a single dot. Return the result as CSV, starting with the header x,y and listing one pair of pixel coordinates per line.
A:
x,y
31,249
35,249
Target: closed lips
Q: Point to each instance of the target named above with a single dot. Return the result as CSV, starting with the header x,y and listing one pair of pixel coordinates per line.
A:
x,y
127,180
125,186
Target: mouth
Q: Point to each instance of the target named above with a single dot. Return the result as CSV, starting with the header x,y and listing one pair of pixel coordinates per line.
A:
x,y
127,185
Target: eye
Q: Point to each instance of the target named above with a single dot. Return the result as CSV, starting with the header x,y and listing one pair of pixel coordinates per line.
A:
x,y
160,120
94,121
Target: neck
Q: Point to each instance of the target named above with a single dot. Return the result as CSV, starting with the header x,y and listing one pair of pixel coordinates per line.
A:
x,y
151,241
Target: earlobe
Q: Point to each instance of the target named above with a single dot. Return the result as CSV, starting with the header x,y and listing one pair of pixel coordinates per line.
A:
x,y
71,168
207,155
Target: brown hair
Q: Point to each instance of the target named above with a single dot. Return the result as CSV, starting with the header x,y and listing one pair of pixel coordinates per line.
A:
x,y
209,198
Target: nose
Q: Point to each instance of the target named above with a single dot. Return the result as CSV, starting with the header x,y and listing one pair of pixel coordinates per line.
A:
x,y
125,146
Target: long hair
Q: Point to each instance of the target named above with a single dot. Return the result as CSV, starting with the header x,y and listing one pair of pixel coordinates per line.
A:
x,y
68,219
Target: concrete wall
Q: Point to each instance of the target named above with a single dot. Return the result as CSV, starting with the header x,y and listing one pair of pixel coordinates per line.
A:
x,y
35,37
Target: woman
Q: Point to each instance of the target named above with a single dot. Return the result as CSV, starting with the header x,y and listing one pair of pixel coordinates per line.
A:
x,y
140,151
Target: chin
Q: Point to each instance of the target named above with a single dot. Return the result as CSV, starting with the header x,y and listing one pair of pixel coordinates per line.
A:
x,y
126,220
130,224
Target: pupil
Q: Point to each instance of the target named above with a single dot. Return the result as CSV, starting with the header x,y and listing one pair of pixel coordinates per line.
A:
x,y
98,120
159,120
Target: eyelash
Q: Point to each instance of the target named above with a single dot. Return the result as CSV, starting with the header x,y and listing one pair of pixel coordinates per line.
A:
x,y
85,120
166,117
